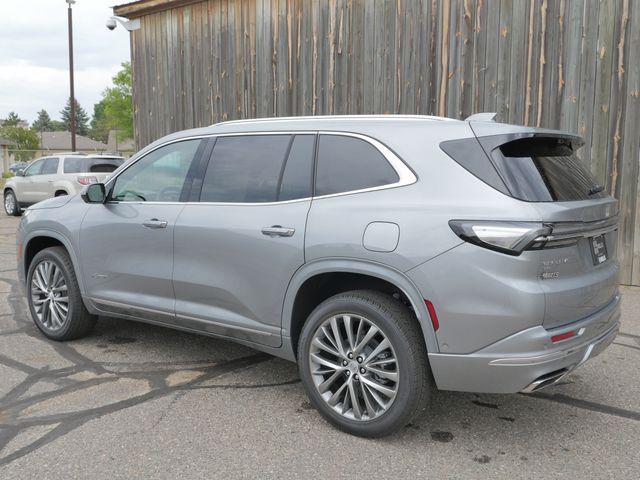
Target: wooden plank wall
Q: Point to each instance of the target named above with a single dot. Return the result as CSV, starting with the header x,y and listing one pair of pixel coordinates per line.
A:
x,y
568,64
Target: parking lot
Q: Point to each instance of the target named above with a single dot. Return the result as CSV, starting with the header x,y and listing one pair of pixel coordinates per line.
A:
x,y
138,401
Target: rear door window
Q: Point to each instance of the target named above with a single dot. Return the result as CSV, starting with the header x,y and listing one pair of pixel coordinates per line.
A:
x,y
298,172
50,166
346,164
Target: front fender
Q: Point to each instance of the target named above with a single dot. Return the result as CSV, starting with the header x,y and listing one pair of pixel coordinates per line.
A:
x,y
43,232
353,265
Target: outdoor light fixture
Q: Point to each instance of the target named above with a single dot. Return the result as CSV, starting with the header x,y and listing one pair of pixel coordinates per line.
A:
x,y
129,25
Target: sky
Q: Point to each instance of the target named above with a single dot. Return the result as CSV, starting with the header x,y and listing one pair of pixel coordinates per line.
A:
x,y
34,56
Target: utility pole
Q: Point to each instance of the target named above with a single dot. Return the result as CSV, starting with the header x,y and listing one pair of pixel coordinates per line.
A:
x,y
71,92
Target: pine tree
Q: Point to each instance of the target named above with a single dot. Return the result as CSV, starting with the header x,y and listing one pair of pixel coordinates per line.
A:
x,y
82,119
12,120
43,122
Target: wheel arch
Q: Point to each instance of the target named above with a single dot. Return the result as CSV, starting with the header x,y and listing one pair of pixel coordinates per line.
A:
x,y
64,185
38,240
293,316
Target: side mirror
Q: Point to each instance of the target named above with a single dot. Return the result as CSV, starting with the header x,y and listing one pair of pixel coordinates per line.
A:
x,y
94,193
20,172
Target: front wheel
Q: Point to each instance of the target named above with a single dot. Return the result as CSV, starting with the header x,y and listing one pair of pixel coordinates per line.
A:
x,y
11,203
54,296
363,363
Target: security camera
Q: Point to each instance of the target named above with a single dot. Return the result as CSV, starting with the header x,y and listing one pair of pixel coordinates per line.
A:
x,y
129,25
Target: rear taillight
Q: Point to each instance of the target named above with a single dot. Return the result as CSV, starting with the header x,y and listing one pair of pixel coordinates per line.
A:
x,y
87,180
511,238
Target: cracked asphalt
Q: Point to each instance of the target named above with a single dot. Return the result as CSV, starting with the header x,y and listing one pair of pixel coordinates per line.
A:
x,y
138,401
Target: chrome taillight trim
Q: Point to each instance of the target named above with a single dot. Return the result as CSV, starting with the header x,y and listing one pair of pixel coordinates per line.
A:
x,y
569,233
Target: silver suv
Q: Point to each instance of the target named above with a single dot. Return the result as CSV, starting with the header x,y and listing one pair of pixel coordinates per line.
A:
x,y
389,256
53,176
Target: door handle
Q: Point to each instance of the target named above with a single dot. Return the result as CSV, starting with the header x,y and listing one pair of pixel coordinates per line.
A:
x,y
155,223
278,231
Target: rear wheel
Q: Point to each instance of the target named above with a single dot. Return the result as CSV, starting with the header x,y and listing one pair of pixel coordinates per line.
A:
x,y
11,203
61,193
54,296
363,363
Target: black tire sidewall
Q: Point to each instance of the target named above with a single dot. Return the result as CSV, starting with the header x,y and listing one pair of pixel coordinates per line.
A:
x,y
394,417
53,255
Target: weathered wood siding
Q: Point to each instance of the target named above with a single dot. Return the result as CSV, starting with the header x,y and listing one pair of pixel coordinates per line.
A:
x,y
568,64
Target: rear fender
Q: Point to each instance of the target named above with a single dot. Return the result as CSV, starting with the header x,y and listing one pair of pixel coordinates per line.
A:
x,y
349,265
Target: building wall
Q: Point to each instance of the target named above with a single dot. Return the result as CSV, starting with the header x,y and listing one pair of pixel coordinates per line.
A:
x,y
568,64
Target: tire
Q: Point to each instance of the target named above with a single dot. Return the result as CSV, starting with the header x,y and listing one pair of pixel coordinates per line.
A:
x,y
398,325
61,193
77,322
11,203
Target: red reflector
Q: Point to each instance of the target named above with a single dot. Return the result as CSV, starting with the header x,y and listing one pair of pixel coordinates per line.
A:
x,y
432,313
563,336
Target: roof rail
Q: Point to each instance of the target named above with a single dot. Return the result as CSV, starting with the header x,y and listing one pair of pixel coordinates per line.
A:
x,y
482,117
335,117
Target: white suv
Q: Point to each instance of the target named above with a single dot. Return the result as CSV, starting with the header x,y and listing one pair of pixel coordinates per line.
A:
x,y
63,174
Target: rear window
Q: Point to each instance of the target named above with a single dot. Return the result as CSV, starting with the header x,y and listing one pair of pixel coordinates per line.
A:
x,y
544,169
91,165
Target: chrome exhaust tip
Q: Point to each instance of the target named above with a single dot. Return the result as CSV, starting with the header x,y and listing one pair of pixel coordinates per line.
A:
x,y
545,380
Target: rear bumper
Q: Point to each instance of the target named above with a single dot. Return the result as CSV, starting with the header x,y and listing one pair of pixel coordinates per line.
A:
x,y
527,360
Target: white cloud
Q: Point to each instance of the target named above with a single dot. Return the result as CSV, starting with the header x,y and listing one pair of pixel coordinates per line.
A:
x,y
34,58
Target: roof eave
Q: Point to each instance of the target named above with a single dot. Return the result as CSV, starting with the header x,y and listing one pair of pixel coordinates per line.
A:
x,y
146,7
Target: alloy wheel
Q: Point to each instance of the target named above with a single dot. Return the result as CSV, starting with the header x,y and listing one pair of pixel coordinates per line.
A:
x,y
9,203
354,366
49,295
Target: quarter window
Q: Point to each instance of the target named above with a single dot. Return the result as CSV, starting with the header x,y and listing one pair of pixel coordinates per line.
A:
x,y
245,169
158,176
346,164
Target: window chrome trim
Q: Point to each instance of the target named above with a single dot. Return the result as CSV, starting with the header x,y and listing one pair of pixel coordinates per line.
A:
x,y
405,174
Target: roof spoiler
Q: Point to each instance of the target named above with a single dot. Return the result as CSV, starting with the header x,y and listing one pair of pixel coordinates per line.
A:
x,y
481,117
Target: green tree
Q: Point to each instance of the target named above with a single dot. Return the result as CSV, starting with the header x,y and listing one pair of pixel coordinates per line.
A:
x,y
26,141
115,110
57,126
99,123
12,120
82,119
43,122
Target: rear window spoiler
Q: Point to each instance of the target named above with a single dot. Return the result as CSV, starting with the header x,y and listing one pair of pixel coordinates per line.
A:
x,y
482,117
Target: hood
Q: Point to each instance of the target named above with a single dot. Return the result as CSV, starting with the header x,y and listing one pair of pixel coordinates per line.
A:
x,y
54,202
